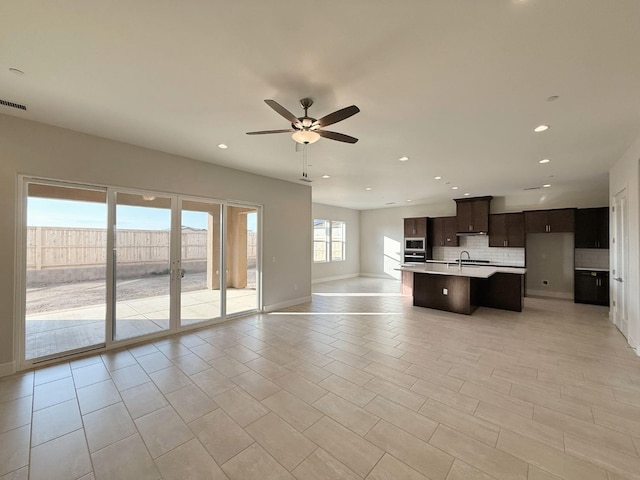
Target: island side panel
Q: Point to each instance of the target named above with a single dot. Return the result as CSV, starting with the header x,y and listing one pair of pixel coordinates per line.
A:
x,y
444,292
407,283
503,290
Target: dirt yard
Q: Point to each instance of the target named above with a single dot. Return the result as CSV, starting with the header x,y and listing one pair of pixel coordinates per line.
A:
x,y
81,294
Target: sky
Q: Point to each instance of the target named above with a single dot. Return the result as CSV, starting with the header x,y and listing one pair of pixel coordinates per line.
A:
x,y
44,212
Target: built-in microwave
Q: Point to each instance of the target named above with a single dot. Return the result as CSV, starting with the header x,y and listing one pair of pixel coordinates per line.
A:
x,y
414,244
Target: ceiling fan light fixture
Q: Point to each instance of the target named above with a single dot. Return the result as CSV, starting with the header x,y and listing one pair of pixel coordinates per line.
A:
x,y
305,136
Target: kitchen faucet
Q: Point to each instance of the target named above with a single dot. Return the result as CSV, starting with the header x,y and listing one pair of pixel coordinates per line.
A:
x,y
460,259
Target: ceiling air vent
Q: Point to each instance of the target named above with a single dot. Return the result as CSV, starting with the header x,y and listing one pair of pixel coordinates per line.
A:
x,y
13,105
533,188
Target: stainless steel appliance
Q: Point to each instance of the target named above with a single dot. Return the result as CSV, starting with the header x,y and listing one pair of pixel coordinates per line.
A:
x,y
414,244
415,257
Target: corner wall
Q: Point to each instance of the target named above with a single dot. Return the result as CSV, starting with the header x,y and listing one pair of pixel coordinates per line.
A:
x,y
42,150
322,272
626,174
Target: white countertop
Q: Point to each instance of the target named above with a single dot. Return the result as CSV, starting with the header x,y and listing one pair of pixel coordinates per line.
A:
x,y
589,269
464,262
473,271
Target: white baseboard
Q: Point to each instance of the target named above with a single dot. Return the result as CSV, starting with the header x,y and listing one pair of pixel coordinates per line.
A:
x,y
288,303
546,293
339,277
7,369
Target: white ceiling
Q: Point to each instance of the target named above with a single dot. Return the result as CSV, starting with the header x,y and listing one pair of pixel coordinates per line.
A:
x,y
456,85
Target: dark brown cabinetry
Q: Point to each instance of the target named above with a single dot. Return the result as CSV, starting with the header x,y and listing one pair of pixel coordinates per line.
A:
x,y
415,227
592,228
506,230
550,221
591,287
473,214
444,231
502,290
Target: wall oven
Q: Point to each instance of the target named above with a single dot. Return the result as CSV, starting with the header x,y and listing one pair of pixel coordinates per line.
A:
x,y
415,257
414,244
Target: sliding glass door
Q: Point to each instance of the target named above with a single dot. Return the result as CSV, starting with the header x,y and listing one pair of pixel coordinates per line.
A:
x,y
242,272
200,261
105,265
142,265
65,277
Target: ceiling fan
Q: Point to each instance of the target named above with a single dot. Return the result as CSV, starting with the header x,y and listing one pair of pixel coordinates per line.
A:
x,y
307,129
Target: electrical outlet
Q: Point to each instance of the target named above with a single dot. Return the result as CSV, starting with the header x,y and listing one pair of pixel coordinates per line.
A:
x,y
545,282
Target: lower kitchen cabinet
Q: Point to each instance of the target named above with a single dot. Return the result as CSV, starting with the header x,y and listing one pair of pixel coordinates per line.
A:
x,y
591,286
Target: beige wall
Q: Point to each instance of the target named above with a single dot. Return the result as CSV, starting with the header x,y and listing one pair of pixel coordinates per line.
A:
x,y
46,151
626,174
351,266
549,259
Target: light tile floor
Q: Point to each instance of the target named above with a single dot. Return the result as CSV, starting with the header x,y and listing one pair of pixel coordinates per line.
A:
x,y
356,384
64,330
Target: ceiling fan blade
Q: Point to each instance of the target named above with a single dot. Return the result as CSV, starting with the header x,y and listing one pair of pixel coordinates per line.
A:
x,y
341,137
262,132
337,116
283,111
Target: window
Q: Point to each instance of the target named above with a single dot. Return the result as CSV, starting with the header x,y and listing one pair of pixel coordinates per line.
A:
x,y
321,240
329,241
338,239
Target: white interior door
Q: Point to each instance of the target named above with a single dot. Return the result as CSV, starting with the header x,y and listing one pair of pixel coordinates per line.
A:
x,y
621,259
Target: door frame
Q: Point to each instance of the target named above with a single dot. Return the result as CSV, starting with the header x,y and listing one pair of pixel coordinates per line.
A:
x,y
259,305
620,263
21,268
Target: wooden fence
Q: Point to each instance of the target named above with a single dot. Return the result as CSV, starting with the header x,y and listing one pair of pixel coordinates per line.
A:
x,y
52,247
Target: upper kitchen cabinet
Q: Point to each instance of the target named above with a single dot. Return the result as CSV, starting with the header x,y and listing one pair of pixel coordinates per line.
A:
x,y
473,214
415,227
592,228
444,231
550,221
506,230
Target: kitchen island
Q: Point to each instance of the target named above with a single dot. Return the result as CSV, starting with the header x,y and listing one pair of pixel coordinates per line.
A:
x,y
462,290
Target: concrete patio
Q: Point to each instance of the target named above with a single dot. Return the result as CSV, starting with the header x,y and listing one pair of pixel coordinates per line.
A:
x,y
68,329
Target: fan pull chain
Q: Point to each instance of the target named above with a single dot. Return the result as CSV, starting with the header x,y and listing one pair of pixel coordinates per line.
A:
x,y
304,160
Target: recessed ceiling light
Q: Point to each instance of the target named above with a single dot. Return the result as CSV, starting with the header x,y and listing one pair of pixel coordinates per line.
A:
x,y
403,159
438,177
546,185
552,98
467,194
544,160
326,176
17,71
222,146
454,188
541,128
409,200
368,189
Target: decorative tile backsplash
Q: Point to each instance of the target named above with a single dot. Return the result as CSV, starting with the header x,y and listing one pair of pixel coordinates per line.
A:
x,y
478,248
592,258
